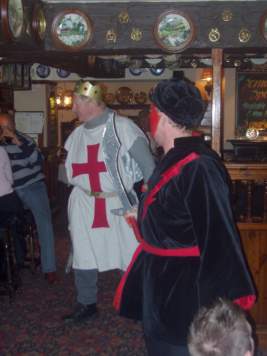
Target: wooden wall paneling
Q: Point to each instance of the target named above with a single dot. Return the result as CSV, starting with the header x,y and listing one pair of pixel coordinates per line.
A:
x,y
217,59
251,247
255,246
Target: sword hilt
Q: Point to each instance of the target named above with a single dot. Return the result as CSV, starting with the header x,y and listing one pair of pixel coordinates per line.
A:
x,y
131,220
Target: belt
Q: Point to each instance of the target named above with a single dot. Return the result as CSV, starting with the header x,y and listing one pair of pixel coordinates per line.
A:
x,y
192,251
99,194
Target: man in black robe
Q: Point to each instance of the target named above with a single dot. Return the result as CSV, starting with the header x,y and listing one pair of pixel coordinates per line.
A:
x,y
191,252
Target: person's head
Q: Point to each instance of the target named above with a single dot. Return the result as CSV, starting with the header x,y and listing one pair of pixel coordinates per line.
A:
x,y
221,330
6,121
87,101
177,108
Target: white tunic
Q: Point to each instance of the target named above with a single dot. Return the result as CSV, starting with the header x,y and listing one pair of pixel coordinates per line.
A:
x,y
103,248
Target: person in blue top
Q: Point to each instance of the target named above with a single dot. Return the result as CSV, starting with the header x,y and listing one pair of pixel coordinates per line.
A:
x,y
26,162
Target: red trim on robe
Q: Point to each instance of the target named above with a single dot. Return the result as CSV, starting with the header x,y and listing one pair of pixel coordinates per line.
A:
x,y
166,177
119,290
246,302
144,246
174,252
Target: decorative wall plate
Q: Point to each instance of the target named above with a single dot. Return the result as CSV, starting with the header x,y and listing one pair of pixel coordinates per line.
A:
x,y
140,98
135,71
12,18
39,23
71,30
43,71
62,73
109,98
173,31
124,95
156,71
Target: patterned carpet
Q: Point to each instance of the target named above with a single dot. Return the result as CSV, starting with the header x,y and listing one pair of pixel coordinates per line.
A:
x,y
32,325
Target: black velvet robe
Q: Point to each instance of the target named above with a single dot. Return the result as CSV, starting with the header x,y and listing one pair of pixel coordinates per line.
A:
x,y
187,205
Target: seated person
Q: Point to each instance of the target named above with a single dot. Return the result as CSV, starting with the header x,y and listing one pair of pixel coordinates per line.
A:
x,y
29,184
10,205
221,330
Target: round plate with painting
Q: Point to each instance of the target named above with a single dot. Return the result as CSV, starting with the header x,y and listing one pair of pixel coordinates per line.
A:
x,y
62,73
173,31
12,18
71,30
43,71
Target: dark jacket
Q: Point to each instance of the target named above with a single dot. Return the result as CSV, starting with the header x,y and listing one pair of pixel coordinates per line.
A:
x,y
191,252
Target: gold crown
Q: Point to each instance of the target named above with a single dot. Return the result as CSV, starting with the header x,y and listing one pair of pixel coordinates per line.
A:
x,y
89,90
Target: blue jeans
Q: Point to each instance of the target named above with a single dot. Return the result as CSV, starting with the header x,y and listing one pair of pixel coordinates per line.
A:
x,y
35,198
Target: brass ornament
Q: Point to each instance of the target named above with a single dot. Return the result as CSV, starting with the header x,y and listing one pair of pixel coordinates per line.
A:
x,y
237,63
111,36
214,35
136,34
123,17
244,35
227,15
252,133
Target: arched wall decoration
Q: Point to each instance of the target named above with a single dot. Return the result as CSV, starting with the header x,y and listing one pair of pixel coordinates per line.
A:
x,y
71,30
174,31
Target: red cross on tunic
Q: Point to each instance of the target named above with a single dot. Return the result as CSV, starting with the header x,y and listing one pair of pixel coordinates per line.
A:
x,y
93,167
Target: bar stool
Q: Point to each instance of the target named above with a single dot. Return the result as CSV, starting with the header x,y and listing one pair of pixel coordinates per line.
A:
x,y
10,276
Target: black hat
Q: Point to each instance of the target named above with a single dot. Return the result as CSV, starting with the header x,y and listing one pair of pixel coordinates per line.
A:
x,y
180,100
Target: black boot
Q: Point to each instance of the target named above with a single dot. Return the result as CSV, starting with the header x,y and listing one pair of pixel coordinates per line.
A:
x,y
81,313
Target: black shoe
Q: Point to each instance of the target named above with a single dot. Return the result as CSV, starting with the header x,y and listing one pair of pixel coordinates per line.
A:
x,y
81,314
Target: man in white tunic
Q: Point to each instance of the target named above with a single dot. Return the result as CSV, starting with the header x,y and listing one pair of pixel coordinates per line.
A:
x,y
101,239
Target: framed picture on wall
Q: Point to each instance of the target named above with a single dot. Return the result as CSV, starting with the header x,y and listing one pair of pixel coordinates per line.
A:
x,y
251,101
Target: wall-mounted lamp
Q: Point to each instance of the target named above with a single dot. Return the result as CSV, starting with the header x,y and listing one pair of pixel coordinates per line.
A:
x,y
64,99
207,77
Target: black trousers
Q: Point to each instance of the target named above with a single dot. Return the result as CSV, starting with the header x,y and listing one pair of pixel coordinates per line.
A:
x,y
10,204
160,348
11,214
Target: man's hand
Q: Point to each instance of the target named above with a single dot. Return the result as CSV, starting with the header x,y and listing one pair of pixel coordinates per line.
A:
x,y
8,133
130,214
131,218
